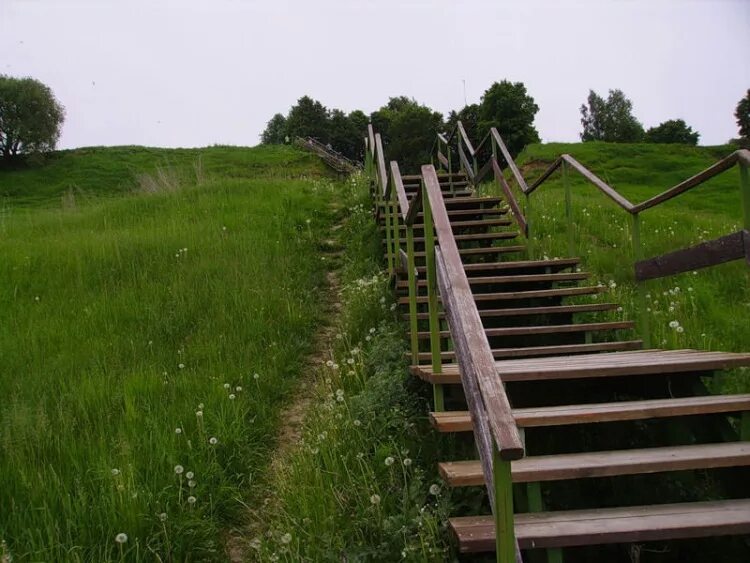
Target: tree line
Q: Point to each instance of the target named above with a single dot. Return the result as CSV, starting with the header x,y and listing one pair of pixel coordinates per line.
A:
x,y
409,128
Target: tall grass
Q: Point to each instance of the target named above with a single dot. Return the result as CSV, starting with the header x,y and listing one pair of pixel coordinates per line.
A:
x,y
148,343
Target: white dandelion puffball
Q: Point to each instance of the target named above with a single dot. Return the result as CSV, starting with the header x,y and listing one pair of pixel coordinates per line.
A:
x,y
178,469
674,324
163,516
189,474
200,406
192,484
191,500
213,441
389,461
178,430
286,538
238,389
256,376
407,462
435,489
232,396
357,422
121,537
199,414
375,499
181,366
680,329
115,472
227,386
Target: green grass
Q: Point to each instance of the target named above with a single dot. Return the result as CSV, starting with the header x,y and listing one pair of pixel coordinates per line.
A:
x,y
132,327
711,305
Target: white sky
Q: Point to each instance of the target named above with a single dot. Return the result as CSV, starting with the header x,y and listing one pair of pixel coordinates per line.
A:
x,y
197,72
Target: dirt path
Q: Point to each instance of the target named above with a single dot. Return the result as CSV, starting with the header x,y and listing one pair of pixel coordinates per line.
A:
x,y
237,541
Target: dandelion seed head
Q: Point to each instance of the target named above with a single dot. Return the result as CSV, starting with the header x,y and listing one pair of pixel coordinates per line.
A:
x,y
121,538
115,472
286,538
238,388
181,366
178,430
434,489
227,386
389,461
163,516
680,329
232,396
674,324
192,484
213,441
199,414
178,469
191,500
375,499
407,462
256,376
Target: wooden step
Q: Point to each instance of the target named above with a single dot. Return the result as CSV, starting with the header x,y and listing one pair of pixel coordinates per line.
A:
x,y
605,464
522,295
597,526
498,280
529,311
614,364
545,329
485,250
494,235
468,212
460,421
555,264
528,352
441,176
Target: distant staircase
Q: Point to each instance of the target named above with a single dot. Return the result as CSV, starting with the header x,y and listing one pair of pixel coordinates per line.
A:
x,y
331,157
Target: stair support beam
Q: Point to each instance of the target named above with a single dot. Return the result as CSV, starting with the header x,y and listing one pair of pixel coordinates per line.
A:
x,y
412,277
432,298
505,538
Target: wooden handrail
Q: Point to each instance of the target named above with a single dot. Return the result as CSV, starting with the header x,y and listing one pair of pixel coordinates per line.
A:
x,y
398,183
466,164
465,138
517,213
594,179
371,137
382,175
487,137
472,347
509,159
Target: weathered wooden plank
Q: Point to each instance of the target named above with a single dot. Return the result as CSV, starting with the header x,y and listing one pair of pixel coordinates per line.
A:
x,y
382,174
546,174
724,249
509,160
465,138
466,164
470,341
606,463
533,294
403,202
714,170
371,138
609,525
483,171
510,196
532,311
547,329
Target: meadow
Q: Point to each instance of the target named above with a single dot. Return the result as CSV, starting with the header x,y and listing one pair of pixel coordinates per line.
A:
x,y
704,309
152,325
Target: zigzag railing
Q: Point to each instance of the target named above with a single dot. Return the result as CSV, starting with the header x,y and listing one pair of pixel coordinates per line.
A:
x,y
727,248
496,434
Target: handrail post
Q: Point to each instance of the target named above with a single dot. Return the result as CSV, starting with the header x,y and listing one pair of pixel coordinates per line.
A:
x,y
568,210
412,277
450,167
641,285
529,238
388,234
745,193
505,541
432,297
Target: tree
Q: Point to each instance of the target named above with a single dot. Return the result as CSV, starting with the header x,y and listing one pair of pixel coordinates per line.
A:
x,y
469,118
309,118
30,117
343,134
509,108
742,113
672,131
610,120
275,132
408,129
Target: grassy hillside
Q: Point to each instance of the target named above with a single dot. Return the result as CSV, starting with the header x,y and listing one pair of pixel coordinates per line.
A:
x,y
148,341
105,171
712,305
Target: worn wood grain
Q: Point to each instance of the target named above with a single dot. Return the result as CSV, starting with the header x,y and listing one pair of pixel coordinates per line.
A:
x,y
510,196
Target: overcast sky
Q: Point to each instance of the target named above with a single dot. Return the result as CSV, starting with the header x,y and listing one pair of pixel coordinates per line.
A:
x,y
197,72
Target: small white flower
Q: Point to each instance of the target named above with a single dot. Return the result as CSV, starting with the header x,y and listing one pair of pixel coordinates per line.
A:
x,y
407,462
213,441
191,500
121,538
389,461
199,414
232,396
375,499
191,484
329,363
181,366
178,469
200,406
163,516
286,538
350,361
238,389
619,309
680,329
674,324
178,431
256,376
115,472
368,338
227,386
435,489
372,330
357,422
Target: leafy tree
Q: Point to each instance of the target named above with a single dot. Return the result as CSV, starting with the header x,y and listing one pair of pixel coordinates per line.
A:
x,y
742,113
672,131
509,108
309,118
469,117
409,129
275,132
30,117
344,135
610,120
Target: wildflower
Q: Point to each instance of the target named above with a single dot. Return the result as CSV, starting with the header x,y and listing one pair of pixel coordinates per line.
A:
x,y
192,484
181,366
178,431
350,361
339,336
372,331
680,329
232,396
335,367
375,499
189,474
674,324
389,461
199,414
163,516
407,462
286,538
434,489
121,538
213,441
227,386
256,377
115,472
357,422
238,389
200,406
191,500
393,306
368,338
178,469
619,309
329,363
255,543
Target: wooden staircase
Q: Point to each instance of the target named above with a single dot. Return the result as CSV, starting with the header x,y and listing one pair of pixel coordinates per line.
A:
x,y
590,402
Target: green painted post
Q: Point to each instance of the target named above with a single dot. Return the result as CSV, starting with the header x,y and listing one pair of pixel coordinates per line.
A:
x,y
529,238
568,210
505,540
432,298
413,323
745,426
745,193
450,166
395,223
388,234
638,255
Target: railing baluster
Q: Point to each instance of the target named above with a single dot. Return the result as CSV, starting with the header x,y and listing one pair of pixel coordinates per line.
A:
x,y
568,210
745,193
641,285
432,297
413,322
505,539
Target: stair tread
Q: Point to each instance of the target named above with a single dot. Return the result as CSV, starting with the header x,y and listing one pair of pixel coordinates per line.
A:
x,y
518,264
532,294
520,278
609,525
524,311
547,329
460,421
475,236
605,464
485,250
